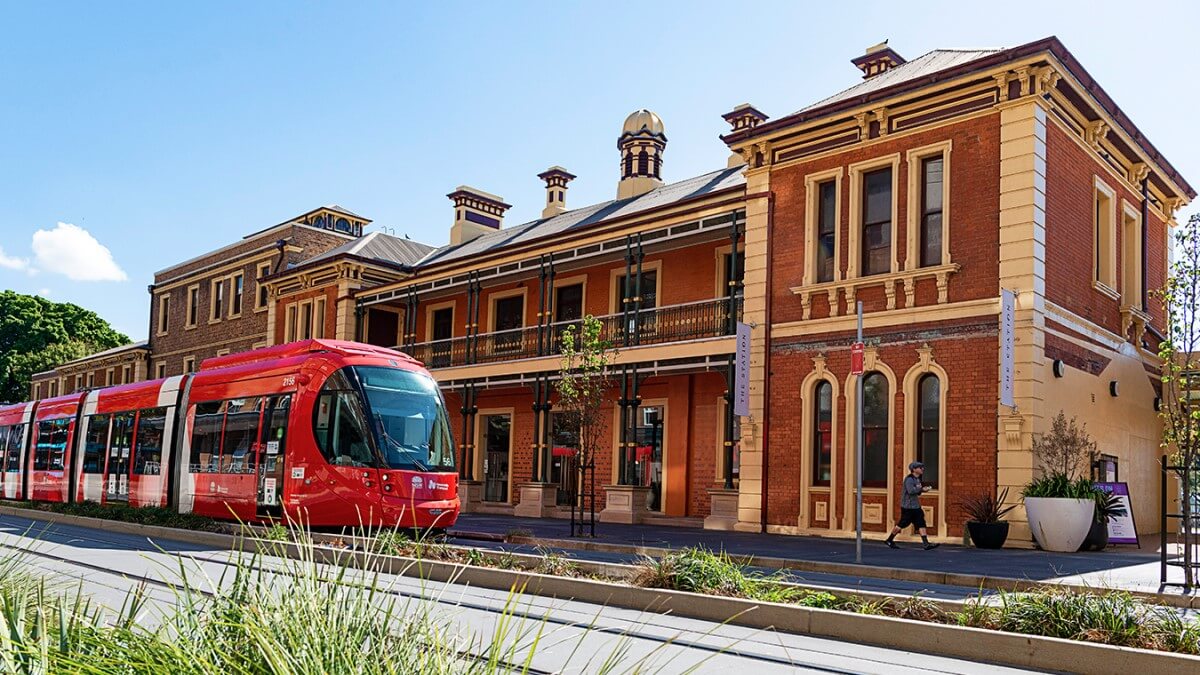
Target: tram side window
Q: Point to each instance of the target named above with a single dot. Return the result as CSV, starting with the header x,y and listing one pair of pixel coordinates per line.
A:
x,y
241,435
341,430
51,445
12,446
96,444
206,437
147,451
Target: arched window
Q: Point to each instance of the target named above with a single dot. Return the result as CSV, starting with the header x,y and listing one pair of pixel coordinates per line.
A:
x,y
875,430
822,433
929,426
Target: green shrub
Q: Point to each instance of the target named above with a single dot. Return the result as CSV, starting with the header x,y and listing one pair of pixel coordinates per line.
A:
x,y
1057,485
142,515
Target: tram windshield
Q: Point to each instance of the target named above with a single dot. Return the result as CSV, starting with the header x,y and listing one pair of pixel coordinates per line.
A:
x,y
408,419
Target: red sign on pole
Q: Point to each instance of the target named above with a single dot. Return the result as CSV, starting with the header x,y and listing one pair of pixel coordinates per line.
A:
x,y
858,358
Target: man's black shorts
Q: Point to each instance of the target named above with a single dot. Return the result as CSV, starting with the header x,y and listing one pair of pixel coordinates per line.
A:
x,y
914,517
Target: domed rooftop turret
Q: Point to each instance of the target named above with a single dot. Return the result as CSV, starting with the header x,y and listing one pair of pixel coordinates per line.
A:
x,y
643,121
641,143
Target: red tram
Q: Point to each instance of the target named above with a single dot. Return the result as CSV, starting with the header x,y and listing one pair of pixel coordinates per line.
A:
x,y
324,432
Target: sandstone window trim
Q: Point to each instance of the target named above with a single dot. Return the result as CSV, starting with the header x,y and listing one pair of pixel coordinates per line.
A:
x,y
812,186
720,280
1132,282
164,313
126,375
616,292
262,292
916,189
216,299
927,366
1104,239
189,365
223,352
856,172
318,317
237,288
193,307
160,370
434,308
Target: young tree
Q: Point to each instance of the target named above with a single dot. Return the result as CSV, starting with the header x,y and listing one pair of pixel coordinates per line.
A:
x,y
1066,449
582,384
1180,354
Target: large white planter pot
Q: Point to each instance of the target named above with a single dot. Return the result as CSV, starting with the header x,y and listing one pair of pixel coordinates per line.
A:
x,y
1059,524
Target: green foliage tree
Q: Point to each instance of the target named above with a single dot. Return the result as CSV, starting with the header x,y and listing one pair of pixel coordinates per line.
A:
x,y
1180,354
582,385
37,334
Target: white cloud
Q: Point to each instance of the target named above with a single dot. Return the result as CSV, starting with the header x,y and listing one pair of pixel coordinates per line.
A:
x,y
11,263
44,292
73,252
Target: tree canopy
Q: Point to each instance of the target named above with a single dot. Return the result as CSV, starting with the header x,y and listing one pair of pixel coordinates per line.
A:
x,y
37,334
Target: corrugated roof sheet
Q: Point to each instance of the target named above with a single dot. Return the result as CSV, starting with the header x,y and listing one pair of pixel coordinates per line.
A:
x,y
379,246
588,216
938,59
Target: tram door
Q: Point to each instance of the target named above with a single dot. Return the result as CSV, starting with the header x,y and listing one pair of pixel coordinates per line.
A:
x,y
497,432
272,452
116,475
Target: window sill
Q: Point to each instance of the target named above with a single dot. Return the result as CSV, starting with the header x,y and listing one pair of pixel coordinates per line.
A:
x,y
190,327
1106,289
906,280
213,321
260,309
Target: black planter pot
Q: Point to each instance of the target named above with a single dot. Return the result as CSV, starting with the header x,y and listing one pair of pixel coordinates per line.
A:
x,y
1097,537
988,535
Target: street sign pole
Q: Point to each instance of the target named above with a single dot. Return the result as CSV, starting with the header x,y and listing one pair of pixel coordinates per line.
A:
x,y
858,445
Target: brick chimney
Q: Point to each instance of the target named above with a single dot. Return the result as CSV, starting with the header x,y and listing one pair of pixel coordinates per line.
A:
x,y
556,179
878,59
476,213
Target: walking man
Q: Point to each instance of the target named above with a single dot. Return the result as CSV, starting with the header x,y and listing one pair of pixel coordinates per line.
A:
x,y
910,506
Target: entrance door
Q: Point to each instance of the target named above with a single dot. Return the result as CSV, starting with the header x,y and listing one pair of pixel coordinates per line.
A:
x,y
497,431
564,466
116,474
568,308
649,453
443,330
510,317
271,454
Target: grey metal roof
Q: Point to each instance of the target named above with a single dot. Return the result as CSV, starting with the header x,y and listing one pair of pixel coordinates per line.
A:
x,y
938,59
378,246
588,216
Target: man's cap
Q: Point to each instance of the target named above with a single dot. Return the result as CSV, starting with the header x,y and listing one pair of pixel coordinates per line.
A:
x,y
916,465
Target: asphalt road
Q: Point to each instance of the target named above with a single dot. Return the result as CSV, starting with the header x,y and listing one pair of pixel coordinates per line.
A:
x,y
576,637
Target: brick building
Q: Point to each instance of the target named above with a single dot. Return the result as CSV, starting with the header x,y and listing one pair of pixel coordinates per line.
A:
x,y
928,192
923,192
209,305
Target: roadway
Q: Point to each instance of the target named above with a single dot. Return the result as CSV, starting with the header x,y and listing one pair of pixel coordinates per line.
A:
x,y
576,637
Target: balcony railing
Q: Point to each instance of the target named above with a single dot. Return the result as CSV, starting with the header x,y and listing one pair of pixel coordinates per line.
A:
x,y
660,325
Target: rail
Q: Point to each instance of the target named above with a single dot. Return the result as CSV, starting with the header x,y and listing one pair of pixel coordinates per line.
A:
x,y
658,325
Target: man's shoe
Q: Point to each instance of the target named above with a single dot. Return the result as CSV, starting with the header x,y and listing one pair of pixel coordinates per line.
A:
x,y
930,547
891,544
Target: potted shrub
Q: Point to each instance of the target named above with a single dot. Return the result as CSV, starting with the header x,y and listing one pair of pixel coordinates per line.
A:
x,y
1108,506
985,519
1060,504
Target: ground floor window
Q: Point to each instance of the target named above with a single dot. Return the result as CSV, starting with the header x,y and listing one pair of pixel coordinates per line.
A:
x,y
929,422
875,429
822,433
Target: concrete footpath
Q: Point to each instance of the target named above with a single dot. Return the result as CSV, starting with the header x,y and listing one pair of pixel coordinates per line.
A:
x,y
1122,568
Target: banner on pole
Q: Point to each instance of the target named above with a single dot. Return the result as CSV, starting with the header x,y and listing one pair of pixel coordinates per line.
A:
x,y
1008,357
858,358
741,377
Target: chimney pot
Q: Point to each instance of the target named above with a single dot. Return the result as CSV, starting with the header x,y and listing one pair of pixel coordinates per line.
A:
x,y
476,213
556,179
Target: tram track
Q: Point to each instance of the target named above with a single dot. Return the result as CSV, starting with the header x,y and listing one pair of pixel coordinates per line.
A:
x,y
630,631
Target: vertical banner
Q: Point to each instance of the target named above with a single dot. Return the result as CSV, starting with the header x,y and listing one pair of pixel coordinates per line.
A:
x,y
741,377
1008,319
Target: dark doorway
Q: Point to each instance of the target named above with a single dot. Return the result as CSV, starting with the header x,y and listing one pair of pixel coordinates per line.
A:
x,y
497,431
564,451
382,328
443,330
568,309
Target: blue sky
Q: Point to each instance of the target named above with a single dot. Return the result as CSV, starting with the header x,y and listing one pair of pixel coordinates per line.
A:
x,y
161,130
